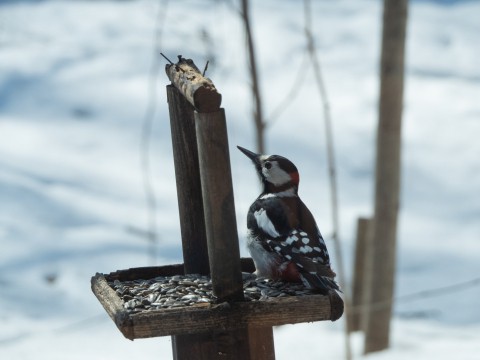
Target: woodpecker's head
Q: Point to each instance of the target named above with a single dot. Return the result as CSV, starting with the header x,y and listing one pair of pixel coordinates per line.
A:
x,y
276,172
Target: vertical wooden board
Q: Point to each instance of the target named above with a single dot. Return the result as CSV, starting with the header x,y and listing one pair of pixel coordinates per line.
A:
x,y
219,207
190,207
189,191
261,343
387,177
232,345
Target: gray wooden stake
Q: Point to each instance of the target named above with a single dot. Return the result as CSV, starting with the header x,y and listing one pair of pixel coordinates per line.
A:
x,y
387,179
361,271
222,238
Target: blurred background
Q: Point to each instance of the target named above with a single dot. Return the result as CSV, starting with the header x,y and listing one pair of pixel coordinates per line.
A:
x,y
87,178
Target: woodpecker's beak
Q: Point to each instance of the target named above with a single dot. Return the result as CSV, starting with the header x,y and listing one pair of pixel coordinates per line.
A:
x,y
254,157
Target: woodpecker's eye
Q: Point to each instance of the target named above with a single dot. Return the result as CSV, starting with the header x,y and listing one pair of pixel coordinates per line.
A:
x,y
268,165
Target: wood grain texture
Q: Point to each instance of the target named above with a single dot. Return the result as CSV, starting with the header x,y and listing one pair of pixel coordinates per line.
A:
x,y
221,317
387,172
112,304
189,189
197,89
361,274
226,317
219,206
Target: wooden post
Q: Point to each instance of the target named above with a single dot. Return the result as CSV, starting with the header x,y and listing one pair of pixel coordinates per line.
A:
x,y
222,238
190,207
224,254
361,272
219,207
189,189
387,172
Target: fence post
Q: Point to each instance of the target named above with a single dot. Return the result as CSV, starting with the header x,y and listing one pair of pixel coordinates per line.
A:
x,y
387,175
361,274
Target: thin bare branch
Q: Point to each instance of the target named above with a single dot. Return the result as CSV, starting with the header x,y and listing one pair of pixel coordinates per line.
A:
x,y
258,112
149,116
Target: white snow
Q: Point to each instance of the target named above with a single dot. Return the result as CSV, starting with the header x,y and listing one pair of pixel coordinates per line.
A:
x,y
74,89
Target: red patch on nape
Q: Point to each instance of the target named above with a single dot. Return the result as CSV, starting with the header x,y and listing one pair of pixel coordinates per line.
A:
x,y
295,176
290,273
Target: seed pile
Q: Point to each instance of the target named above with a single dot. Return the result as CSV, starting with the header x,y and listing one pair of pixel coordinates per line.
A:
x,y
166,292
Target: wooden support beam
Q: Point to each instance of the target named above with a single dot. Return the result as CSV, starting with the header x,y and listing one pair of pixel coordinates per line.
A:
x,y
190,206
189,188
222,236
261,343
209,318
219,206
215,345
387,174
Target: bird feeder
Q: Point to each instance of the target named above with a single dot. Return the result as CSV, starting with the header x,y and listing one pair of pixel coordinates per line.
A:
x,y
233,326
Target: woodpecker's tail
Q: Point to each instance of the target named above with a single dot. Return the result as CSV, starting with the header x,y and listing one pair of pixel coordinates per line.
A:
x,y
322,284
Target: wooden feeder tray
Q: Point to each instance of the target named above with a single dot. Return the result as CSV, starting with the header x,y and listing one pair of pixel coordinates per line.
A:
x,y
213,317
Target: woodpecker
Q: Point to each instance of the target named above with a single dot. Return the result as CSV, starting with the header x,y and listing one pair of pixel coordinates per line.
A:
x,y
283,238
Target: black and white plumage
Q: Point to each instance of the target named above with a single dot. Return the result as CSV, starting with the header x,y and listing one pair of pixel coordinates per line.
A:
x,y
283,237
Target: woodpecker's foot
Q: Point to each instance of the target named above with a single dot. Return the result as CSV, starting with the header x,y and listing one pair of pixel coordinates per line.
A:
x,y
248,276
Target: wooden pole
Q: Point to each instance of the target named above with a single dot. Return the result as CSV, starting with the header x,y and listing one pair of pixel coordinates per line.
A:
x,y
361,271
189,189
219,206
222,238
387,187
190,207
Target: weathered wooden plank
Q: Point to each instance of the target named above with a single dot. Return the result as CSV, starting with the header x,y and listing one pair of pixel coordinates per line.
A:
x,y
361,273
222,317
149,272
145,273
213,345
112,304
219,207
261,343
189,189
225,316
387,173
197,89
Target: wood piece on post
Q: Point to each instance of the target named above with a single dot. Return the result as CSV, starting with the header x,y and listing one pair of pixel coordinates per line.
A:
x,y
189,190
219,207
197,89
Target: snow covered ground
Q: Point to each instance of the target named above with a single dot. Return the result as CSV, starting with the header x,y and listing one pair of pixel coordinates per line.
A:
x,y
74,89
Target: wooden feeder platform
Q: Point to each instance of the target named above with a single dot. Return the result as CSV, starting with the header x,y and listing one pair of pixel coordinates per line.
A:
x,y
224,316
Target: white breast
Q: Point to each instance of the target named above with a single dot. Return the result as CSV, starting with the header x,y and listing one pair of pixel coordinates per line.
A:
x,y
266,262
264,223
